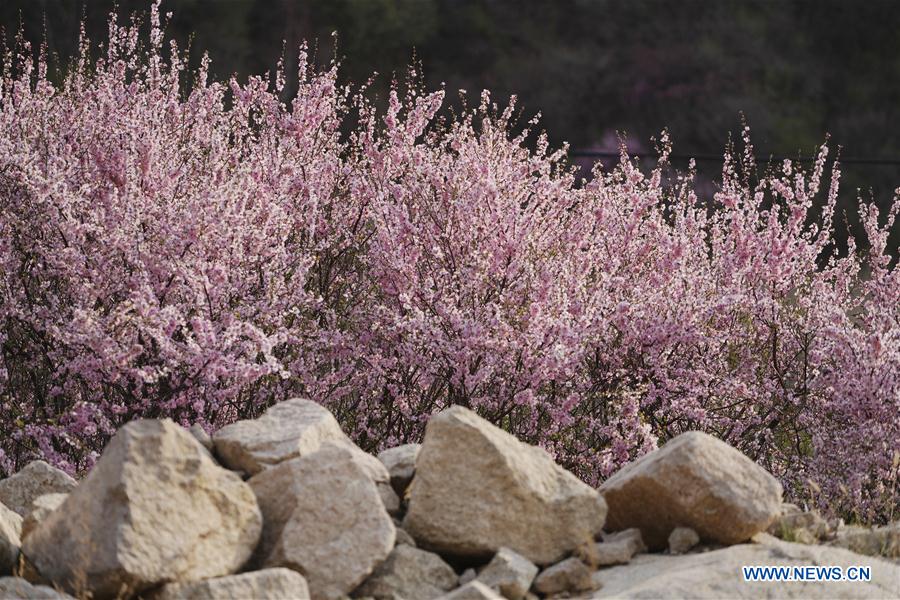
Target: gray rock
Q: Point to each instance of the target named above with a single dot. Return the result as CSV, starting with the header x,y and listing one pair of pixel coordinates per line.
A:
x,y
389,499
401,463
570,575
268,584
373,467
41,508
409,573
695,481
478,489
293,429
376,471
474,590
509,574
717,574
682,539
612,552
154,509
323,517
10,539
36,479
16,588
289,429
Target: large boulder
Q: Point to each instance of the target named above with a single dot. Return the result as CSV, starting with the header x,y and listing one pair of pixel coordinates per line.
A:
x,y
718,574
324,518
154,509
695,481
478,489
10,539
409,573
268,584
36,479
289,429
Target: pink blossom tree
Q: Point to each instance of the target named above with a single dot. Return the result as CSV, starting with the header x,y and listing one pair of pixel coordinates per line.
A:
x,y
163,253
175,246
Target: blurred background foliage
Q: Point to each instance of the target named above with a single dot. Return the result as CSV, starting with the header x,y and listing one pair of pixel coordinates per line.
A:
x,y
797,69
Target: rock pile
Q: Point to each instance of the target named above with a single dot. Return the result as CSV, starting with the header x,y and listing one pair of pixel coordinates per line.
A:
x,y
287,507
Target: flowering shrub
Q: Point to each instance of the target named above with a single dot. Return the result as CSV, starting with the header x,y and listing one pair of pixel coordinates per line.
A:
x,y
174,246
157,249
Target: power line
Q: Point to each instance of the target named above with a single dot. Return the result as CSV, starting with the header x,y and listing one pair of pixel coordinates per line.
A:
x,y
844,160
